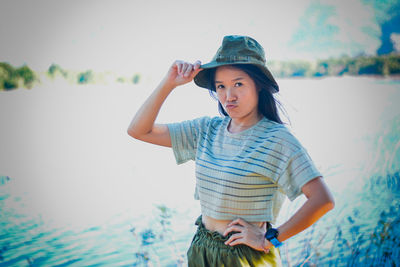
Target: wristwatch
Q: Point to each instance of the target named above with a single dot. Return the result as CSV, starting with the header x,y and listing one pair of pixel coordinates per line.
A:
x,y
272,236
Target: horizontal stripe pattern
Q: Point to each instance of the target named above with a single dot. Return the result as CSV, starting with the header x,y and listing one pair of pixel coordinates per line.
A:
x,y
245,174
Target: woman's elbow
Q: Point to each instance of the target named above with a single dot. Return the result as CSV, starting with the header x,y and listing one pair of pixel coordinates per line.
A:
x,y
132,133
329,203
324,201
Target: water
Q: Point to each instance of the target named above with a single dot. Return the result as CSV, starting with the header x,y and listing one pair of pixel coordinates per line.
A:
x,y
76,190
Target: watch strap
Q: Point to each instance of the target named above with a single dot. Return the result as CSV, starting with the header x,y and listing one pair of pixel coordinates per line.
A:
x,y
275,242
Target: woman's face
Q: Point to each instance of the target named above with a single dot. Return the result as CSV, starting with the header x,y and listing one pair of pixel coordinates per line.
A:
x,y
237,92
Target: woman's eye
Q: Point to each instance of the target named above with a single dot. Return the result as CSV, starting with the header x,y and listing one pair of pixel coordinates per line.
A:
x,y
220,86
238,84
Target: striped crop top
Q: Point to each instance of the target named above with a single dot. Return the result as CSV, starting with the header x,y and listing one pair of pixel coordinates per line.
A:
x,y
245,174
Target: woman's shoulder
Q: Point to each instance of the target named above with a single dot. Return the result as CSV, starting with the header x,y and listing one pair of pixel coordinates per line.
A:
x,y
282,133
270,126
216,120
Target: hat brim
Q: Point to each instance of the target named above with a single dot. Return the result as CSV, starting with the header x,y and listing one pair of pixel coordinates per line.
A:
x,y
202,79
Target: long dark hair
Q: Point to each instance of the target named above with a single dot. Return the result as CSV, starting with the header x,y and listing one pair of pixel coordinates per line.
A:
x,y
267,104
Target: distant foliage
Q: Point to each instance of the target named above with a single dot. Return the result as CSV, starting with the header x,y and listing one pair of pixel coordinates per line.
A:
x,y
136,79
296,68
384,65
11,78
85,77
4,179
362,65
55,70
27,75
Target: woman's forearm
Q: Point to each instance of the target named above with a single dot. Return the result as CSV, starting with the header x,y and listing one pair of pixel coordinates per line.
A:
x,y
142,123
311,211
319,201
179,73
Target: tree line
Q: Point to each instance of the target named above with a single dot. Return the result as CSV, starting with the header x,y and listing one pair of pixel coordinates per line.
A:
x,y
383,65
18,77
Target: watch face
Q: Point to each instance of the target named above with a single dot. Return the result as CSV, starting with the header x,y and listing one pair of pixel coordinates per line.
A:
x,y
271,233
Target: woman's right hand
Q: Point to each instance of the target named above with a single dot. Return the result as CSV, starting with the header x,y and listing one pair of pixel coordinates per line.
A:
x,y
181,72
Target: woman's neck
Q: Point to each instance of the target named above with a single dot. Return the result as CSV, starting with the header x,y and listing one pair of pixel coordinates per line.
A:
x,y
238,125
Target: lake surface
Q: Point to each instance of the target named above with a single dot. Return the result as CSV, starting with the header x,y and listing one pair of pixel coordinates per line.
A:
x,y
76,190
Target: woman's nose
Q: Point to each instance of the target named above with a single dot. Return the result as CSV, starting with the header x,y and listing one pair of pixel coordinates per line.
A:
x,y
230,95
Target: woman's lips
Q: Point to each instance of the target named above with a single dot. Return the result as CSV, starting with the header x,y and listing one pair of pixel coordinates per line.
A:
x,y
231,106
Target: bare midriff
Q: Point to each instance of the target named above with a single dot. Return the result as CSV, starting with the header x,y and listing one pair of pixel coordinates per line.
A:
x,y
221,225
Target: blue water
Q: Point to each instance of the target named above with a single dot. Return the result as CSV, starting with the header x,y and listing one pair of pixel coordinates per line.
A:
x,y
87,206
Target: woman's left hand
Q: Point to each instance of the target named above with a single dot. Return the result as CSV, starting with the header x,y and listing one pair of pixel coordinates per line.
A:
x,y
248,234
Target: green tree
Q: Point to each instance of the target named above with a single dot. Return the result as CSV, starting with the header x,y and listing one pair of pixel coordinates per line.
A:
x,y
332,67
393,64
370,65
55,69
27,75
85,77
136,78
8,77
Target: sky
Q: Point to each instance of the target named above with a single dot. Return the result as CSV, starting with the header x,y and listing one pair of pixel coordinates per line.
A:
x,y
147,36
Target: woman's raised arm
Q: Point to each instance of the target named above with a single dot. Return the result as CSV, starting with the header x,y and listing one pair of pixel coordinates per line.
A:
x,y
142,126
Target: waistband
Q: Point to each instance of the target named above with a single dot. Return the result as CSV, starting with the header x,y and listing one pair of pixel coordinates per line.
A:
x,y
214,234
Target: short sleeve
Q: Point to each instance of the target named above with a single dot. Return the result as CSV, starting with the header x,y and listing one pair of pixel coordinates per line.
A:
x,y
299,170
185,136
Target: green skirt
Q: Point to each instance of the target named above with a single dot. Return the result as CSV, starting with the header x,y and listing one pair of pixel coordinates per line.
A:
x,y
208,249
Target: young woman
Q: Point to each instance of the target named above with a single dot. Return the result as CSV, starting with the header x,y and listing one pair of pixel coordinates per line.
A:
x,y
246,161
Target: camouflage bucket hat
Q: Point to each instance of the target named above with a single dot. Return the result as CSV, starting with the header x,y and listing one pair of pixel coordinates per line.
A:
x,y
236,49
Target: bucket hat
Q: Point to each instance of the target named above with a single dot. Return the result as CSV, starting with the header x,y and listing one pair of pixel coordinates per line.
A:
x,y
236,49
